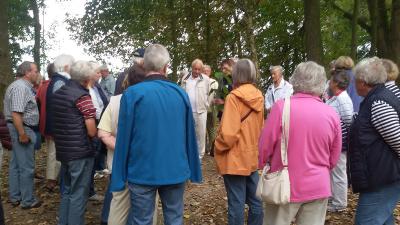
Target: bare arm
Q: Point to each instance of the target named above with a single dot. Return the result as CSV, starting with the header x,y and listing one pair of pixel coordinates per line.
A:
x,y
107,139
17,120
91,127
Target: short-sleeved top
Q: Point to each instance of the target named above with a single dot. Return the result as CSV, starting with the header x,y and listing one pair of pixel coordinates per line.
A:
x,y
20,97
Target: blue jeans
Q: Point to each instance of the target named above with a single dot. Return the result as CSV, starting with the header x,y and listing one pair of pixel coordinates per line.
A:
x,y
241,190
21,168
376,208
106,204
143,202
76,177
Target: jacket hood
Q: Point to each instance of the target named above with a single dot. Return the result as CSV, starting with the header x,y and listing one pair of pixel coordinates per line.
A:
x,y
250,96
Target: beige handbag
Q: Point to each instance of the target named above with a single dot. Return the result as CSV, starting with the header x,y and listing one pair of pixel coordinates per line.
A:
x,y
274,188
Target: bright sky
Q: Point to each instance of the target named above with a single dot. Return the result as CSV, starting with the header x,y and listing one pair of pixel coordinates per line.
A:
x,y
53,22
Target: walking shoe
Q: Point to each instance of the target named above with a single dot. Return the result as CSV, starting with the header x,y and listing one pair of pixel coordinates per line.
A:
x,y
36,204
96,197
14,203
334,209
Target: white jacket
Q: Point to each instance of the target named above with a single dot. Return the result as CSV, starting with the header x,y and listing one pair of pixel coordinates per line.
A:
x,y
202,92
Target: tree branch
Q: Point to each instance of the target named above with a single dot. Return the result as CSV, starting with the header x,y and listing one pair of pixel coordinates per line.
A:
x,y
361,21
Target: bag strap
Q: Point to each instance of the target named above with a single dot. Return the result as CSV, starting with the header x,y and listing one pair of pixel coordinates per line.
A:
x,y
285,131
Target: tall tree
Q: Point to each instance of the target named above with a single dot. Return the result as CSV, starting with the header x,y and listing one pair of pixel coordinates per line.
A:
x,y
353,44
5,57
312,28
36,33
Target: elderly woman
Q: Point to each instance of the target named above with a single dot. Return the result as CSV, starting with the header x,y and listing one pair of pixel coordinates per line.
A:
x,y
346,63
236,145
392,73
375,146
314,147
118,212
343,105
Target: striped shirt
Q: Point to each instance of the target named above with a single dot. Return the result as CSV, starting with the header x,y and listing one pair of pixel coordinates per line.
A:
x,y
343,105
385,120
85,106
391,86
20,97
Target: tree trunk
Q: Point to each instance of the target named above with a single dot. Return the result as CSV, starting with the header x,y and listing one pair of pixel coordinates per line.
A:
x,y
312,26
174,40
395,32
207,55
373,15
353,51
237,35
249,15
5,58
36,20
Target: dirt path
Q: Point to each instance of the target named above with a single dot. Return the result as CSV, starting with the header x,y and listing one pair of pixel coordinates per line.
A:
x,y
204,203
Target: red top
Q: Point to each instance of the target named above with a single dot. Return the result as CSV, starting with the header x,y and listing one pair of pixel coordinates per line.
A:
x,y
86,107
41,100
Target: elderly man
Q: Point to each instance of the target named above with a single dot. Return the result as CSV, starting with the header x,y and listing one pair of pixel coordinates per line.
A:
x,y
279,89
156,147
74,126
107,81
197,87
22,116
374,149
62,67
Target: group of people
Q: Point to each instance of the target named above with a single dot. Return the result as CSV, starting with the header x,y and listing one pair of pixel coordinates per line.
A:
x,y
347,127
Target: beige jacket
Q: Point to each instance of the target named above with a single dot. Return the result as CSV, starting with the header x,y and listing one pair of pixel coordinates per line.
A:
x,y
203,88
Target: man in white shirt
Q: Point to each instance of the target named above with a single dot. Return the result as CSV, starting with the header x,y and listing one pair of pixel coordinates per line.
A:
x,y
197,86
279,89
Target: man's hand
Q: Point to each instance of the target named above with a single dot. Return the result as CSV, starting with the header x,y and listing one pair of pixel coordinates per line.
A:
x,y
24,139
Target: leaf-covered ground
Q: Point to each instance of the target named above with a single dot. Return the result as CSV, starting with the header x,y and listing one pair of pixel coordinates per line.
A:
x,y
204,203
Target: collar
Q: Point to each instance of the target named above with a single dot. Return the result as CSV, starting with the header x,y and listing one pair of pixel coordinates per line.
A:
x,y
66,75
155,76
306,95
391,82
26,82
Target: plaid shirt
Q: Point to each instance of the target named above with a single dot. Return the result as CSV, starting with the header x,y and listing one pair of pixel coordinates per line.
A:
x,y
20,97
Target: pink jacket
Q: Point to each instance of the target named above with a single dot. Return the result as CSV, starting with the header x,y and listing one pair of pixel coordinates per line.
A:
x,y
315,143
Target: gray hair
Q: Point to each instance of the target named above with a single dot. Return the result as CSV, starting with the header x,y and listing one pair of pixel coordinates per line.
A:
x,y
206,66
24,68
371,71
82,70
280,68
244,72
103,67
61,61
197,62
155,57
309,77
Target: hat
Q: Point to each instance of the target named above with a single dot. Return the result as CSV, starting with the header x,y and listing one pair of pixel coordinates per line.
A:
x,y
139,52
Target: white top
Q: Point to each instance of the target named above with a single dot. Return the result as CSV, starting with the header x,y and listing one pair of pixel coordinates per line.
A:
x,y
192,91
273,94
97,102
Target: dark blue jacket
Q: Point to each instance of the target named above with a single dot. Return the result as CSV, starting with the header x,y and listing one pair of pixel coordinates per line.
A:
x,y
49,102
372,163
351,90
69,131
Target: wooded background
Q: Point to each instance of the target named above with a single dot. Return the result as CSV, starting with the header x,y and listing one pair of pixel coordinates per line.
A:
x,y
269,32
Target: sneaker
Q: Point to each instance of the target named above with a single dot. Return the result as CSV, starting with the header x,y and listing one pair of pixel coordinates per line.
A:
x,y
96,197
335,209
36,204
14,203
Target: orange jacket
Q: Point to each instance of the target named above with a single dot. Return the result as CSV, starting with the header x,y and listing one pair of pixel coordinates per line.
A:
x,y
236,146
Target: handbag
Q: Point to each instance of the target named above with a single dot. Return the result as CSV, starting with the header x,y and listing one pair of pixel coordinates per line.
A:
x,y
274,188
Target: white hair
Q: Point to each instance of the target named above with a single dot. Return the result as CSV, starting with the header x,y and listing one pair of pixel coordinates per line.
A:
x,y
61,61
280,68
371,71
244,72
156,57
309,77
82,70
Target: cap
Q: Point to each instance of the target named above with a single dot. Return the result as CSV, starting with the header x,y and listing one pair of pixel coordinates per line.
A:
x,y
139,52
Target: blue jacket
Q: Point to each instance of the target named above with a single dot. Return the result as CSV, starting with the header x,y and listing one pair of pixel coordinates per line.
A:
x,y
156,140
352,91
